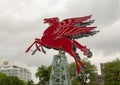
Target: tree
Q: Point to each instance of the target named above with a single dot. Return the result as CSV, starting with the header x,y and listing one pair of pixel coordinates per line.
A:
x,y
87,76
112,72
10,80
43,73
30,82
2,76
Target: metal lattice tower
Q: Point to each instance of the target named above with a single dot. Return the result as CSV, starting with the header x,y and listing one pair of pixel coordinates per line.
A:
x,y
60,74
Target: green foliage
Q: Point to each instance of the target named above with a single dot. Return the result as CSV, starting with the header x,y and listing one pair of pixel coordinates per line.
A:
x,y
89,73
2,75
10,80
30,82
112,73
43,73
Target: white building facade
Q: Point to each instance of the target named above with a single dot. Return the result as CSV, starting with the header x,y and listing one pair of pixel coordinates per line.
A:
x,y
15,68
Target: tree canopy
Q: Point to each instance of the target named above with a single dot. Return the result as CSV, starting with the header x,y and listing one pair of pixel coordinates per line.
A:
x,y
112,72
88,75
10,80
43,73
13,80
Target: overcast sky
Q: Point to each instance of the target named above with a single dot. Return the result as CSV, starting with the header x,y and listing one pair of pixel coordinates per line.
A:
x,y
22,20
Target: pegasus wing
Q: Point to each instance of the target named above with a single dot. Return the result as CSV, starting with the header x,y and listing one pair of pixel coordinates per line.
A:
x,y
72,21
74,31
75,28
71,28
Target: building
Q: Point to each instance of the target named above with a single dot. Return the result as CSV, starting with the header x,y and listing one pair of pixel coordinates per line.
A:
x,y
102,67
15,68
99,80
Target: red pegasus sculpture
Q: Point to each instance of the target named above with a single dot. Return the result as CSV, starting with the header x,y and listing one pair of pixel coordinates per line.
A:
x,y
62,34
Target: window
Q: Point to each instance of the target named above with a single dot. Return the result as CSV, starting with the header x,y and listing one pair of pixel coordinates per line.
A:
x,y
5,63
15,66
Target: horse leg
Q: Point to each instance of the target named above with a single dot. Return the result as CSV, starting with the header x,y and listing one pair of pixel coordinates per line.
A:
x,y
37,41
30,46
83,49
77,55
69,49
77,61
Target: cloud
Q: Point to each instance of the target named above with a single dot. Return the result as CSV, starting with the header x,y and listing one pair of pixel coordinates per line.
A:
x,y
105,11
108,39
